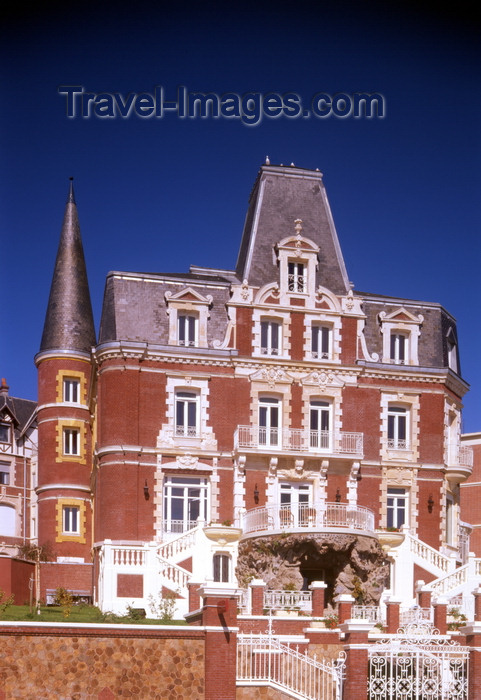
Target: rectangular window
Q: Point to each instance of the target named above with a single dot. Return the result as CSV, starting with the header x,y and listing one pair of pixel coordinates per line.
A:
x,y
270,337
321,342
397,503
186,414
187,327
296,277
71,391
4,473
320,419
71,442
269,422
71,520
221,568
397,428
398,352
185,502
4,432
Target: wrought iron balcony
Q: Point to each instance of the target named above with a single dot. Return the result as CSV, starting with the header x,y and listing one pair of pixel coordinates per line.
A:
x,y
259,438
326,516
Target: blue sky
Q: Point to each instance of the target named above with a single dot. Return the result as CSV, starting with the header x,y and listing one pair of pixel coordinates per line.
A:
x,y
160,194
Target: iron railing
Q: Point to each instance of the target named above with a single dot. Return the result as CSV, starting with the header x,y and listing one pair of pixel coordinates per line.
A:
x,y
307,516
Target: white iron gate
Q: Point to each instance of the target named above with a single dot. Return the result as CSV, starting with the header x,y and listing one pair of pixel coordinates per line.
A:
x,y
413,665
263,660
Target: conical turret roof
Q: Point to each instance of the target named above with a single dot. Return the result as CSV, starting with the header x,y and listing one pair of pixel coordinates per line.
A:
x,y
69,323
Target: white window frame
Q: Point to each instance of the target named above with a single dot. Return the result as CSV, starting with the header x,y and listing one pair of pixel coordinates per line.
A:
x,y
452,349
295,500
297,276
71,520
221,567
271,336
270,421
188,329
399,348
187,408
321,341
398,418
397,507
320,412
187,497
71,442
71,390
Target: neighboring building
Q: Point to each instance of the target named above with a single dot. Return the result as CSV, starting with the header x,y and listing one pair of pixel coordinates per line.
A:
x,y
18,468
314,417
18,510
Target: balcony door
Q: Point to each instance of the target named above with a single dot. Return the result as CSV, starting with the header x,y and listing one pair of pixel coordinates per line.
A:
x,y
269,414
321,425
295,504
185,500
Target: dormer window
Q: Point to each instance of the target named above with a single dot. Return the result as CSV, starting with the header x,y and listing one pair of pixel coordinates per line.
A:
x,y
321,342
399,348
452,349
297,277
271,337
188,312
188,329
400,336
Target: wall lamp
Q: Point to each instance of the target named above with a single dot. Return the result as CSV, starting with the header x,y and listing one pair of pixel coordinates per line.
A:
x,y
146,491
430,503
256,495
338,496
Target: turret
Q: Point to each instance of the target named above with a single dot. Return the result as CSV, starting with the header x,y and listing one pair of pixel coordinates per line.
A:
x,y
65,426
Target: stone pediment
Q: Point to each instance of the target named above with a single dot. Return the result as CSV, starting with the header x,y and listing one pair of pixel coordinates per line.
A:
x,y
323,378
188,295
272,375
400,316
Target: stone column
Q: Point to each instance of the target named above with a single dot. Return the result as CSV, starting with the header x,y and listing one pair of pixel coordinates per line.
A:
x,y
318,589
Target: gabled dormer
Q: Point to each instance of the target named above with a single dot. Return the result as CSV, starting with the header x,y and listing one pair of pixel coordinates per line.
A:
x,y
400,333
188,313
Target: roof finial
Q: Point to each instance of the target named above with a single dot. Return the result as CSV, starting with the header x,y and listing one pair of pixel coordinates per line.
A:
x,y
4,387
71,195
268,162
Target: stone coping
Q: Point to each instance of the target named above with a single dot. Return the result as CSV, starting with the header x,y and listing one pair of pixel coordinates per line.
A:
x,y
84,629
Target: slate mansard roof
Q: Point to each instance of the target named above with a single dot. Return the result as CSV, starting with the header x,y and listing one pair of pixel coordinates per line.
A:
x,y
135,309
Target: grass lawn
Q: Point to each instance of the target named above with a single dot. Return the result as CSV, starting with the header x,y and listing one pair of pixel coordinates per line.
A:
x,y
78,613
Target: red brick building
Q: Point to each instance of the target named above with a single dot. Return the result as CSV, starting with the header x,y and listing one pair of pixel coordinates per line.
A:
x,y
322,422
